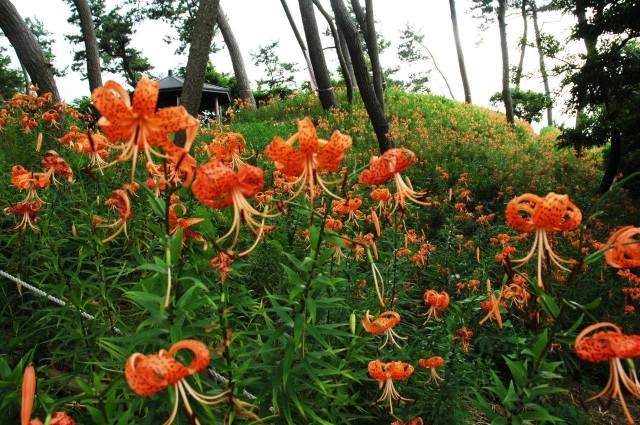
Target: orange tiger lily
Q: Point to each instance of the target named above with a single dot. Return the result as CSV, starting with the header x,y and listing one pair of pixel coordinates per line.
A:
x,y
119,198
389,166
385,374
56,164
219,186
464,335
177,223
30,181
93,144
28,211
313,154
147,375
432,364
551,214
385,323
28,395
625,248
611,346
137,122
228,148
438,302
492,306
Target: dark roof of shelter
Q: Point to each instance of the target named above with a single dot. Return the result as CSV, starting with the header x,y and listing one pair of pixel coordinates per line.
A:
x,y
171,88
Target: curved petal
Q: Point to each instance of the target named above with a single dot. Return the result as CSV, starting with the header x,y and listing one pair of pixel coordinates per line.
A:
x,y
284,157
307,137
250,180
522,204
201,353
331,154
112,101
169,120
145,97
625,252
147,375
213,181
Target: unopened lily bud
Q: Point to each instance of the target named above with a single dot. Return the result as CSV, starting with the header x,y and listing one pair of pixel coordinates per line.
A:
x,y
73,231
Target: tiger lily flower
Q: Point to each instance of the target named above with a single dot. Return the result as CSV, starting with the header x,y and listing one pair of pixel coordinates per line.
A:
x,y
147,375
219,186
385,374
551,214
389,166
28,395
612,346
464,335
93,144
492,306
625,250
29,212
30,181
228,148
313,154
385,323
119,198
178,223
137,123
432,364
438,302
56,164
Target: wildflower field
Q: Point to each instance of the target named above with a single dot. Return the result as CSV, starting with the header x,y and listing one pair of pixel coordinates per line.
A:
x,y
278,269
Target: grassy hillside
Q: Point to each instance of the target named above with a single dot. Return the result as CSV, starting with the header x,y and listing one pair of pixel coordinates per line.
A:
x,y
290,312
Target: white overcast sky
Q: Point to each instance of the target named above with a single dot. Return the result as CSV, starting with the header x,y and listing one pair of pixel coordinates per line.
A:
x,y
260,22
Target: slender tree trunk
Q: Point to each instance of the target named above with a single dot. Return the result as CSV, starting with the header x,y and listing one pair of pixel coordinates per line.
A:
x,y
367,24
244,85
543,69
323,78
339,50
506,90
523,44
461,65
303,46
199,50
94,70
369,98
28,49
615,152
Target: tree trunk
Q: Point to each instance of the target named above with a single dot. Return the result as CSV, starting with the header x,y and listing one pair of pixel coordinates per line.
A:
x,y
199,50
367,24
94,70
303,46
463,68
369,98
523,43
615,152
339,50
543,69
244,85
323,78
28,49
506,90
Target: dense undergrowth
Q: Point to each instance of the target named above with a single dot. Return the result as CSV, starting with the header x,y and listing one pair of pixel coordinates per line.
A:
x,y
283,323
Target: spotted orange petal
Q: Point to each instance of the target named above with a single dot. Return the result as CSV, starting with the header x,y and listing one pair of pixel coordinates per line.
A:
x,y
525,203
146,375
213,181
201,353
331,154
625,252
307,137
386,320
145,97
285,157
250,180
